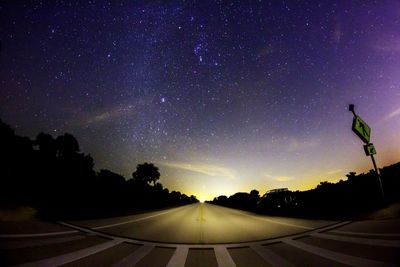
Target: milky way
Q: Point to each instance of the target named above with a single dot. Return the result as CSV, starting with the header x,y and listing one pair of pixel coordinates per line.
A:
x,y
223,97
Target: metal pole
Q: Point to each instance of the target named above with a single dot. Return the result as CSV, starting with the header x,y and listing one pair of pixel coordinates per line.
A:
x,y
378,174
351,108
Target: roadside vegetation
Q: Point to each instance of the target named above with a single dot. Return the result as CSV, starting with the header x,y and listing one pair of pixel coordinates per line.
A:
x,y
352,198
56,178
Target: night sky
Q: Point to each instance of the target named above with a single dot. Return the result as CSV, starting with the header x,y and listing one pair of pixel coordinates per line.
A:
x,y
222,97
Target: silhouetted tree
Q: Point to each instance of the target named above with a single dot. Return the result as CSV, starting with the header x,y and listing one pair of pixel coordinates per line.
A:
x,y
47,145
351,175
193,199
67,145
175,197
158,187
110,181
146,173
113,186
16,165
55,177
254,198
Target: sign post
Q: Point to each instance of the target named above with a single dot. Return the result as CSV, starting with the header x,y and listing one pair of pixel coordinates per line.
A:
x,y
363,131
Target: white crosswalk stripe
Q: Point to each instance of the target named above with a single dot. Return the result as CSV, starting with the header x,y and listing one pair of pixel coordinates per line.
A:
x,y
223,257
135,256
179,257
73,256
336,256
271,257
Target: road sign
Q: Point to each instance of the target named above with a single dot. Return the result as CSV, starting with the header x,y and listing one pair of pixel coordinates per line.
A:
x,y
369,149
361,129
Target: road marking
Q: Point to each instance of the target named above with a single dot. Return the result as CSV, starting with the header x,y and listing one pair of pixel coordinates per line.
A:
x,y
201,220
366,234
74,232
229,245
271,257
134,257
38,235
73,256
221,250
336,256
224,259
281,239
137,220
179,257
109,236
37,243
200,217
364,241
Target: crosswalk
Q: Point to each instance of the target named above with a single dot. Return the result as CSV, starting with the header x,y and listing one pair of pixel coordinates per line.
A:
x,y
327,246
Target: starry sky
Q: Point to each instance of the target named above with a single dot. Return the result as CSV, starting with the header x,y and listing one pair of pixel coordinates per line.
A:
x,y
223,96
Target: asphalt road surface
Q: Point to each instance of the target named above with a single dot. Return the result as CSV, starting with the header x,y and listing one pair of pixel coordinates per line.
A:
x,y
202,224
201,235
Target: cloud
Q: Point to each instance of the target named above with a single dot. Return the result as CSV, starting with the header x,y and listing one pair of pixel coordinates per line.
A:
x,y
110,115
392,114
334,171
79,116
82,118
279,178
296,145
283,178
209,170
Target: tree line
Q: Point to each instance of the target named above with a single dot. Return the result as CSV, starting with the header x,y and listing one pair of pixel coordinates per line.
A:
x,y
350,198
53,175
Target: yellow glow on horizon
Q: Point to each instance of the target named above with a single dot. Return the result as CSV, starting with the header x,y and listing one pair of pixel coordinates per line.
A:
x,y
209,181
204,196
301,184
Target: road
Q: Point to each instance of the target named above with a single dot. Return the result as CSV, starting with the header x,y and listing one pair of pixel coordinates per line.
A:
x,y
202,224
201,235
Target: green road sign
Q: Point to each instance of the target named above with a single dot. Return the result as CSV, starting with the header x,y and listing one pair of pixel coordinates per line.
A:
x,y
369,149
361,129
